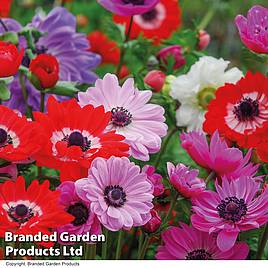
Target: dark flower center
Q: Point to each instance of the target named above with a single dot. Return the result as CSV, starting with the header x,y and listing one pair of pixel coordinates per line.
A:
x,y
21,210
232,209
121,117
80,212
20,213
134,2
198,254
77,139
114,196
247,109
3,135
149,16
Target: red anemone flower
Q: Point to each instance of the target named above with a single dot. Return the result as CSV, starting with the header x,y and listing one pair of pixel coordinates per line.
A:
x,y
240,111
74,136
108,49
157,24
32,210
5,8
19,139
10,58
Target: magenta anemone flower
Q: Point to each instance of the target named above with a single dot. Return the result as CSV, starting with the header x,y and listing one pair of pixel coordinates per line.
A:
x,y
155,179
217,156
253,30
233,208
185,180
188,243
128,7
85,220
119,192
141,123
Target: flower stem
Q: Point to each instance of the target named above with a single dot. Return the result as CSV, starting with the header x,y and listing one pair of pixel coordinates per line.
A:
x,y
25,95
123,48
210,177
171,206
164,146
42,102
3,25
206,19
144,247
262,244
141,236
91,251
119,245
104,245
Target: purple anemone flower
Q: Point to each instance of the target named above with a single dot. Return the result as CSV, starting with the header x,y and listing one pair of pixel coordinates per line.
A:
x,y
253,30
60,40
128,7
84,219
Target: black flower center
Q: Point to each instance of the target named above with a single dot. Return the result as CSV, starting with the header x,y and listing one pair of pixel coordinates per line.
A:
x,y
20,213
198,254
3,136
121,117
149,16
114,196
247,109
232,209
80,212
21,210
77,139
134,2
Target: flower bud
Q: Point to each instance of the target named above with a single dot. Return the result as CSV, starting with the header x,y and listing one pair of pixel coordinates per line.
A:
x,y
155,79
155,179
204,40
174,51
45,71
154,223
10,59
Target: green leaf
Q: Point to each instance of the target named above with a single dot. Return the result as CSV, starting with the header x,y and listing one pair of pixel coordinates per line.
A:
x,y
10,37
64,89
4,91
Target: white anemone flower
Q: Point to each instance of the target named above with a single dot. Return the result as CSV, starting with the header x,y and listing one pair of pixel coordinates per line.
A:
x,y
196,89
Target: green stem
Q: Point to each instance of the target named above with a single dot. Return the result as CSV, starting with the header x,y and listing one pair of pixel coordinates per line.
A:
x,y
25,94
210,177
164,146
3,25
172,205
42,102
91,251
206,19
119,245
262,243
123,48
144,247
140,242
104,245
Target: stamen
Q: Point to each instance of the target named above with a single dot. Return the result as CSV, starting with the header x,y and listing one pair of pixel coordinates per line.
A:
x,y
198,254
149,16
121,117
20,213
80,212
246,109
114,196
232,209
134,2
